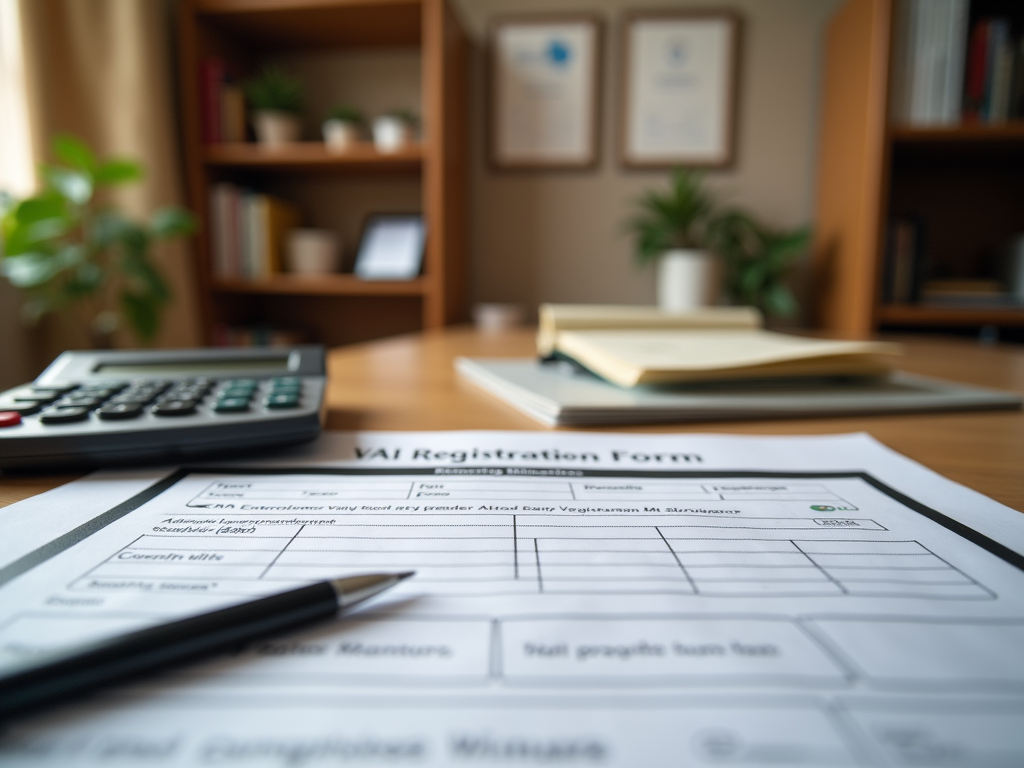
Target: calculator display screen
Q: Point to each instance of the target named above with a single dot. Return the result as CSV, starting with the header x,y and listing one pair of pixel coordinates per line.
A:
x,y
196,367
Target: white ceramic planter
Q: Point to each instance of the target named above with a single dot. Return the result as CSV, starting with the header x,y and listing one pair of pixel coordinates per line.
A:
x,y
390,134
340,135
687,279
312,252
275,128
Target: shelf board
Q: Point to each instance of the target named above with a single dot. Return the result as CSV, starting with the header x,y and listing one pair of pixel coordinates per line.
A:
x,y
906,314
973,132
277,25
321,285
312,155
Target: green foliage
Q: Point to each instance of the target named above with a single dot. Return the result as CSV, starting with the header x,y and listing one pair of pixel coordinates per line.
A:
x,y
67,251
274,89
346,114
682,217
757,258
757,261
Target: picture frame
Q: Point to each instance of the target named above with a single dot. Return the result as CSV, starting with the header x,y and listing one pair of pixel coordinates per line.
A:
x,y
680,72
544,91
391,247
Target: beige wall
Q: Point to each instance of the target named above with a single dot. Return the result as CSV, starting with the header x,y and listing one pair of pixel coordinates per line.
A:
x,y
556,236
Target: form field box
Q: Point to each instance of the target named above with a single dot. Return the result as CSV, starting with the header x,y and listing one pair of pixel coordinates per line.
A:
x,y
701,650
895,653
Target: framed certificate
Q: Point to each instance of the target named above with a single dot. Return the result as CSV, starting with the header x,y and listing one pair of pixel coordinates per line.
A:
x,y
391,247
543,105
679,88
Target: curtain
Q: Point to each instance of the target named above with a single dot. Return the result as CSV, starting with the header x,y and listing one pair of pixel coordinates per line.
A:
x,y
102,70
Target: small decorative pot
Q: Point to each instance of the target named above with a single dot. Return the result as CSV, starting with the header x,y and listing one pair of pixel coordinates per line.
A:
x,y
340,135
274,128
312,252
687,279
390,134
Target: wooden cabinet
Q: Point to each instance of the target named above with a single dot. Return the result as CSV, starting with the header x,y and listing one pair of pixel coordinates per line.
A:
x,y
337,191
966,183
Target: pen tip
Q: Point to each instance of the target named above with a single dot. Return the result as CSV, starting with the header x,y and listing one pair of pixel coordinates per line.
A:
x,y
405,575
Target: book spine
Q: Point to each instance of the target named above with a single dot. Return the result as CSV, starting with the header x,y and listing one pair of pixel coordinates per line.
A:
x,y
232,113
211,79
957,44
974,87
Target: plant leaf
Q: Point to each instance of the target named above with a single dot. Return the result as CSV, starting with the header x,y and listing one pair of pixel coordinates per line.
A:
x,y
30,270
142,315
172,222
117,172
74,152
71,185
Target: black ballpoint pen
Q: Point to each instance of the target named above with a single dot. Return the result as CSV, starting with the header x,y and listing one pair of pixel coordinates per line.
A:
x,y
120,658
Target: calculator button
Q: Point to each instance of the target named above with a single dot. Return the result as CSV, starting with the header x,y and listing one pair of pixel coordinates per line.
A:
x,y
83,401
286,381
64,415
175,408
281,388
286,400
117,411
9,419
133,399
35,396
231,405
22,407
241,383
235,392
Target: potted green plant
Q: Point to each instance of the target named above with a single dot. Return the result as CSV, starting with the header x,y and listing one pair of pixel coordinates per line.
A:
x,y
758,259
394,130
70,252
276,100
343,128
675,229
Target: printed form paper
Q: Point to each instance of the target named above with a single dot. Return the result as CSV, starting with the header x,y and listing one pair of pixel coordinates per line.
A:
x,y
580,599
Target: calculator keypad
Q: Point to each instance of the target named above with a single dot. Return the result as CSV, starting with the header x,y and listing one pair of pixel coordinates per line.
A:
x,y
123,400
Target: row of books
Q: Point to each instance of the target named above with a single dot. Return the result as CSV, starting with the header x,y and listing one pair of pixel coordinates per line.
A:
x,y
945,73
257,335
247,231
222,104
907,277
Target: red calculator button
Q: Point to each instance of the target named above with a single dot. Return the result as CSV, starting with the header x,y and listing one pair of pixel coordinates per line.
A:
x,y
9,419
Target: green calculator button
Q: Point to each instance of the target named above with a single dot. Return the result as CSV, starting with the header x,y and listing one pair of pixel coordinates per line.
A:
x,y
231,383
231,405
233,392
286,400
289,381
285,389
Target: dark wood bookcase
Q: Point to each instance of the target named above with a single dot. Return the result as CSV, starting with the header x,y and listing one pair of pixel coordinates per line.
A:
x,y
964,182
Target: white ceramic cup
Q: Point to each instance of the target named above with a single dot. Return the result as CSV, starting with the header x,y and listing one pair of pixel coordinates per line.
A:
x,y
340,135
312,251
492,318
390,134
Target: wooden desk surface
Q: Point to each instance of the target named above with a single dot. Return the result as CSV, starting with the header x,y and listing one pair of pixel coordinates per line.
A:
x,y
408,383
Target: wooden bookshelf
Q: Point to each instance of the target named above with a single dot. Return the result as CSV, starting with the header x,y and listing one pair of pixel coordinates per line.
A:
x,y
965,182
322,285
428,176
312,155
963,317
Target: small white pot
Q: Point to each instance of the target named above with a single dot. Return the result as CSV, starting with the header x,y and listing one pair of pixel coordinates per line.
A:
x,y
391,134
274,128
312,251
687,279
340,135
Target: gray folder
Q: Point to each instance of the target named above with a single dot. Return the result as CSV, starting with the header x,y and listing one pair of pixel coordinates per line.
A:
x,y
561,394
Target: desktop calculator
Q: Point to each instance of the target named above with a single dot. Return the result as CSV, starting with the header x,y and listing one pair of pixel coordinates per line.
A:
x,y
124,407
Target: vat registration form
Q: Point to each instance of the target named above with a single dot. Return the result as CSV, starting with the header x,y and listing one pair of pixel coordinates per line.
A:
x,y
579,599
